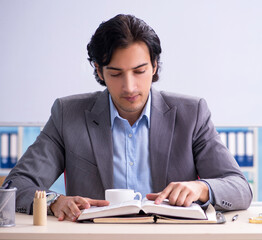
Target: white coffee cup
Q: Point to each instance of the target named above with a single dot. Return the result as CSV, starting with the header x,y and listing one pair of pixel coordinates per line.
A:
x,y
116,196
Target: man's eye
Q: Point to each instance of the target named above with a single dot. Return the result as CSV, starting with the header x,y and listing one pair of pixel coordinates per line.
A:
x,y
140,72
115,75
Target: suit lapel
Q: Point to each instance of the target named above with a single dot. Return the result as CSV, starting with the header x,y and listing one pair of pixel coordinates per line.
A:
x,y
98,125
161,133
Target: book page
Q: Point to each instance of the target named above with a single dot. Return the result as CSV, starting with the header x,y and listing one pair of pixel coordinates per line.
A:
x,y
212,217
130,207
194,211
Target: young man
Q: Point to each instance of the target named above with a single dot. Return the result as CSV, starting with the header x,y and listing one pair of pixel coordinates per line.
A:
x,y
161,144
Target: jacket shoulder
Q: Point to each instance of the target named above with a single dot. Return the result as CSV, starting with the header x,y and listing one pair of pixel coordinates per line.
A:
x,y
79,101
179,100
80,97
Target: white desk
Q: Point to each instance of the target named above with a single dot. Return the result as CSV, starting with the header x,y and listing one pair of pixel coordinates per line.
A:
x,y
240,229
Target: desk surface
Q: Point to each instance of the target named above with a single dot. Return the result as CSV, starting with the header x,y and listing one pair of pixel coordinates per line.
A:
x,y
240,229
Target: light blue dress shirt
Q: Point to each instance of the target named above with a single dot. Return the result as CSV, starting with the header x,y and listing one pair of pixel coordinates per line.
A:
x,y
131,150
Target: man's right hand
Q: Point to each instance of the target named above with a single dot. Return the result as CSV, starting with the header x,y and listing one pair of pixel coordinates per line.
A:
x,y
68,208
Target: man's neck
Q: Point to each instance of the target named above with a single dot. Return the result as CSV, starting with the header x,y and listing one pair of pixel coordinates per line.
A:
x,y
130,117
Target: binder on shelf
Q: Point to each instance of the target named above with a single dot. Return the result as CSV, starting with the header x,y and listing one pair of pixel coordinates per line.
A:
x,y
240,153
224,138
249,148
232,145
4,151
13,150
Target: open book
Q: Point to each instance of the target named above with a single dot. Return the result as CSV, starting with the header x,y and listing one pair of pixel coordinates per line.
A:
x,y
128,212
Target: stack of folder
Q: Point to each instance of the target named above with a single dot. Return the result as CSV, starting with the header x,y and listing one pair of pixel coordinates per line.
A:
x,y
240,142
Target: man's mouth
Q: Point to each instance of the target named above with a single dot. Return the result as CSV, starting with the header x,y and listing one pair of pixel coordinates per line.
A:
x,y
131,98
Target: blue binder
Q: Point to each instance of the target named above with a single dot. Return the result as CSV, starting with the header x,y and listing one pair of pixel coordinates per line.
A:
x,y
13,139
8,152
4,150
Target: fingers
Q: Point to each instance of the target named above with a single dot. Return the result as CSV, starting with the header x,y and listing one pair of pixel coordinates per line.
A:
x,y
61,216
82,203
181,193
98,203
177,195
72,208
181,197
152,196
189,200
69,208
164,194
66,215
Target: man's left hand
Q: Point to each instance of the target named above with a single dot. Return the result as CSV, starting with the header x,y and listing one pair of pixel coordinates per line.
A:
x,y
182,193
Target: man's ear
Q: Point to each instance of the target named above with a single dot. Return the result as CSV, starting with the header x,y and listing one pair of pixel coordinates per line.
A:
x,y
155,68
100,74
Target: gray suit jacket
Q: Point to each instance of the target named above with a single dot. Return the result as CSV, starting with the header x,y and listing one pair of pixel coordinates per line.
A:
x,y
77,139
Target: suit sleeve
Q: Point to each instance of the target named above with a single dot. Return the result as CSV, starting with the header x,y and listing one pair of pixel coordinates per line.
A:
x,y
42,163
217,166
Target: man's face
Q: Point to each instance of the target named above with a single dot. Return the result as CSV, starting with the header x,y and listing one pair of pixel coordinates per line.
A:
x,y
128,78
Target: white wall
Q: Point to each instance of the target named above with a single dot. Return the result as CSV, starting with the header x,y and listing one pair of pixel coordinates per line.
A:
x,y
211,49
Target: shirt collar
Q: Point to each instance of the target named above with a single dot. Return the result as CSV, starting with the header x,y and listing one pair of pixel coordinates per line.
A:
x,y
146,111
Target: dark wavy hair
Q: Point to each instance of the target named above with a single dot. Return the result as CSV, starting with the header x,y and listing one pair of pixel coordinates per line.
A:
x,y
119,32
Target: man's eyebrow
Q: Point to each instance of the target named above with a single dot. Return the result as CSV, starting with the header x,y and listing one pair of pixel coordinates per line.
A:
x,y
120,69
141,65
113,68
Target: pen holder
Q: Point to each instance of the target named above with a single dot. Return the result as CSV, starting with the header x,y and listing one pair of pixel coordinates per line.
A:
x,y
7,207
40,208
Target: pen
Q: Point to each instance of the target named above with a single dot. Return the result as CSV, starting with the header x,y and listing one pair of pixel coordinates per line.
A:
x,y
234,218
7,185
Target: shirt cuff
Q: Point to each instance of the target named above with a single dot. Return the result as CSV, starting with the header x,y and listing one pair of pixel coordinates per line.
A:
x,y
211,198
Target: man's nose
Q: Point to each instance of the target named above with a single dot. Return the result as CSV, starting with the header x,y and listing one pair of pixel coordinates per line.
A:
x,y
129,83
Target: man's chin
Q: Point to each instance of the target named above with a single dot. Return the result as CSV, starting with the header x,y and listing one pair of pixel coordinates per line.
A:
x,y
133,108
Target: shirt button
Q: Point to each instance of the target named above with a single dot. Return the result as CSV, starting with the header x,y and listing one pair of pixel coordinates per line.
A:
x,y
130,135
131,163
